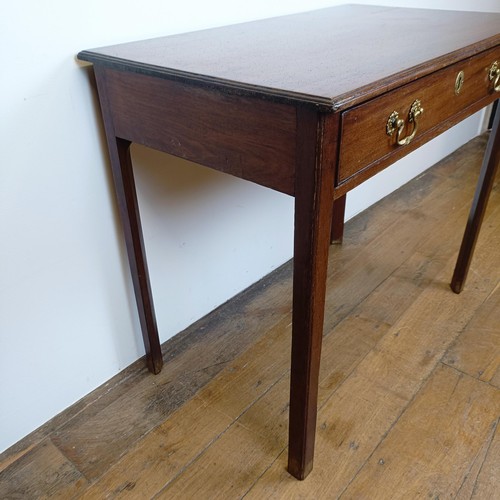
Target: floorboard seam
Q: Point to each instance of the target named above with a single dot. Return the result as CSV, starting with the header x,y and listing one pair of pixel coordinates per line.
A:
x,y
387,432
216,438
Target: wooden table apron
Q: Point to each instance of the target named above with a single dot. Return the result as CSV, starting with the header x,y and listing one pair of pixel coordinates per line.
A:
x,y
291,146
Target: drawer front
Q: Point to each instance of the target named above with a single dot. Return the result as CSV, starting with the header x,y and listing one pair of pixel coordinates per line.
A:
x,y
446,96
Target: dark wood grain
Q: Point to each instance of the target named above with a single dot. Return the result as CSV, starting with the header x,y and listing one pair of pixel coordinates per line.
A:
x,y
123,177
365,143
478,209
420,139
332,58
338,216
246,137
313,216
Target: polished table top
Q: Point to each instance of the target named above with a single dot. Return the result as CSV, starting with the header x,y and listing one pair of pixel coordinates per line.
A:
x,y
332,57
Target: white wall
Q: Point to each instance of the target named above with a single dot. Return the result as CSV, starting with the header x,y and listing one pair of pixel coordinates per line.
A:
x,y
67,313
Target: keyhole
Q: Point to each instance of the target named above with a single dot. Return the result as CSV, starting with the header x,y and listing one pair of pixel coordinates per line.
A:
x,y
459,82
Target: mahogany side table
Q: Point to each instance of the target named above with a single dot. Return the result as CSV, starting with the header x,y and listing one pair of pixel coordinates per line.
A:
x,y
311,105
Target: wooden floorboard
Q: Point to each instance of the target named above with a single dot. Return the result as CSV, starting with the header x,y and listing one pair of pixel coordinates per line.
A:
x,y
435,444
409,396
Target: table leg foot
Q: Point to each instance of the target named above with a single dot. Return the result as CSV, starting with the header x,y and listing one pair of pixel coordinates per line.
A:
x,y
299,470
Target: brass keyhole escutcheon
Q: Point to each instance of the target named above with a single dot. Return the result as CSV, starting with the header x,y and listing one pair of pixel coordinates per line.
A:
x,y
459,82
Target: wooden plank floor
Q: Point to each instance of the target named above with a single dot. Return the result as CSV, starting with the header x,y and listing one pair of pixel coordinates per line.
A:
x,y
409,398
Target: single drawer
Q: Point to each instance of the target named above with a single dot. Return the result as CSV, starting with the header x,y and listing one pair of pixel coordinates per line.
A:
x,y
370,131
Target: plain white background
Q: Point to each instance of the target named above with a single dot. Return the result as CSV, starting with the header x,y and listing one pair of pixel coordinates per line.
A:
x,y
67,314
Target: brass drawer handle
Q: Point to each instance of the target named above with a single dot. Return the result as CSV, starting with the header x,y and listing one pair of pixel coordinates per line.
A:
x,y
494,76
395,123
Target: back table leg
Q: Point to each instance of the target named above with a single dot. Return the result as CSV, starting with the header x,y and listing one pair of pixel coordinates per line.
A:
x,y
123,177
483,189
127,200
337,233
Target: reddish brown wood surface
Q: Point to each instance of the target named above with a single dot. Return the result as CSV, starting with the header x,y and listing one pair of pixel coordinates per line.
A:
x,y
313,217
365,143
334,57
123,177
338,216
247,137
